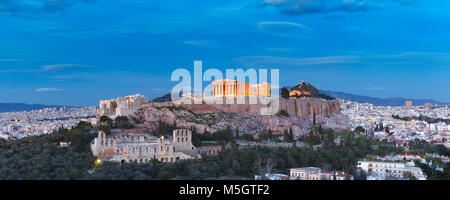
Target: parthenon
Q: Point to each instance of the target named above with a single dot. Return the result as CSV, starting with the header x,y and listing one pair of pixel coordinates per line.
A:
x,y
232,88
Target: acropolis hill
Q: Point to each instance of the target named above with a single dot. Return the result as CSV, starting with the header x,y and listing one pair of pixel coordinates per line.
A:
x,y
301,107
246,118
305,100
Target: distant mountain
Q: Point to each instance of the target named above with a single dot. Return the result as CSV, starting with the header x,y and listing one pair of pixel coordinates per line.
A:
x,y
164,98
307,89
397,101
19,107
304,86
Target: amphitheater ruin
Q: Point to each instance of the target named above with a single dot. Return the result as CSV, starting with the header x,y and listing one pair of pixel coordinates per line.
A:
x,y
142,148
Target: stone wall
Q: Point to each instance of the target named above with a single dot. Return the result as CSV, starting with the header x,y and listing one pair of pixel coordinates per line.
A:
x,y
142,148
301,107
244,119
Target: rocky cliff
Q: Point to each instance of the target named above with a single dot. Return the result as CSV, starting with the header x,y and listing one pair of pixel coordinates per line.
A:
x,y
246,118
243,122
301,107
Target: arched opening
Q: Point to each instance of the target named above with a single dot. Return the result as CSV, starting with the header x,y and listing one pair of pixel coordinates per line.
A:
x,y
122,162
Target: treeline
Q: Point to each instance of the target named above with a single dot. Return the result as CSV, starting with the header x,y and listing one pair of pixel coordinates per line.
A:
x,y
246,163
122,122
432,171
222,137
422,118
41,157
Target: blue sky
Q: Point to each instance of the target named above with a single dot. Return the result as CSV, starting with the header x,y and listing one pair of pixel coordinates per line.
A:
x,y
76,52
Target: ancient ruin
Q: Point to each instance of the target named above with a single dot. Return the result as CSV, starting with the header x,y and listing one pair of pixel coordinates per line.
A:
x,y
142,148
122,106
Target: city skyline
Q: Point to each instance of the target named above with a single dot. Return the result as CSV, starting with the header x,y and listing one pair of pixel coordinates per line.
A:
x,y
78,52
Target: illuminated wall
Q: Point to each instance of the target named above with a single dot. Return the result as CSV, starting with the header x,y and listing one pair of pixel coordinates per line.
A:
x,y
227,87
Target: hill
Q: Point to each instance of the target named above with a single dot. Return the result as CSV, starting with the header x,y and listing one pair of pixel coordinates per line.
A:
x,y
397,101
164,98
19,107
307,89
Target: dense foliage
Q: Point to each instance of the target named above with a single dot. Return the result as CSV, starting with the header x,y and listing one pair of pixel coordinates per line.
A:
x,y
432,171
422,118
41,157
285,93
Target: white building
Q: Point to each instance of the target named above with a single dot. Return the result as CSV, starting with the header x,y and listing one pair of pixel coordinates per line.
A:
x,y
389,170
4,136
272,177
122,106
302,173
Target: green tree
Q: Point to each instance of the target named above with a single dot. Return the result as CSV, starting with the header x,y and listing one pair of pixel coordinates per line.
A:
x,y
330,140
409,176
105,119
123,122
314,119
286,135
285,93
284,113
291,135
360,129
269,134
348,141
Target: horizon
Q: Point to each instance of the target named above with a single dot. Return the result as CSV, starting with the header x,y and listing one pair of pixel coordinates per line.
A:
x,y
76,53
151,99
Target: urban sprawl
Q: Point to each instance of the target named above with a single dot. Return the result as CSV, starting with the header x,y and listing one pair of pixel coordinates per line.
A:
x,y
399,124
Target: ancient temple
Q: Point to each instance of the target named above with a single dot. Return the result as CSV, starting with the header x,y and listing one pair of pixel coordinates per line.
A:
x,y
233,88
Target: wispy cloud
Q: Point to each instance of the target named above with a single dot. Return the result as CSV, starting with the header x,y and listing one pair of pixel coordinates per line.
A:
x,y
417,59
8,60
18,70
28,8
262,25
358,29
278,49
284,61
201,43
65,67
40,90
49,68
299,7
285,29
378,88
441,59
